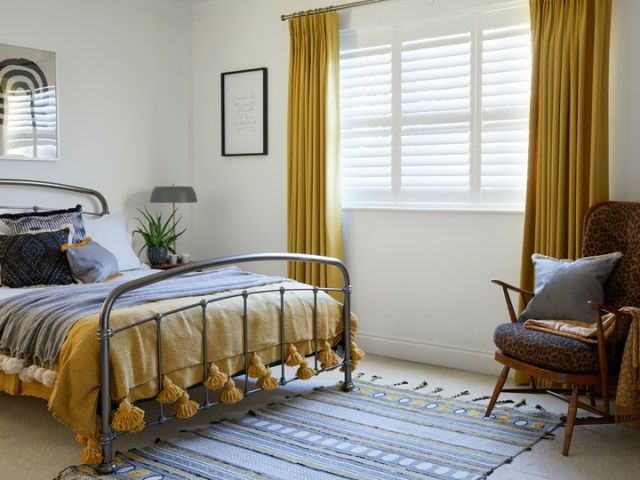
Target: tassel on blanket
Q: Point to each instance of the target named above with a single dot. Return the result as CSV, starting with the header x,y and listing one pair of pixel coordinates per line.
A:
x,y
49,378
256,367
357,353
305,372
231,394
170,392
185,407
293,356
12,365
38,374
128,418
91,454
354,365
216,378
26,374
327,357
267,382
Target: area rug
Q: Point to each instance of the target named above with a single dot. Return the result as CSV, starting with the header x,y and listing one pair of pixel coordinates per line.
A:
x,y
374,432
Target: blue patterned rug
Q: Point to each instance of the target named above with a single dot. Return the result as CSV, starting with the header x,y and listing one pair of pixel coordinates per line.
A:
x,y
374,432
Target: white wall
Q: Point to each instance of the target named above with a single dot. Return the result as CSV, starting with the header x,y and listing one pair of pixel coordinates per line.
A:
x,y
124,86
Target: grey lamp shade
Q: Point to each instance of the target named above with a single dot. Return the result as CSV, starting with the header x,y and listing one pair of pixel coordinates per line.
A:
x,y
173,194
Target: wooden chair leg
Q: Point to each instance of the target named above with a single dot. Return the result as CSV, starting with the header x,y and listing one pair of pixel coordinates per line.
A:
x,y
496,391
571,420
532,381
592,395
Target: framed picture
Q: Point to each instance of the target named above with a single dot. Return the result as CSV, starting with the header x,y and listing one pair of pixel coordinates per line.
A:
x,y
28,104
244,112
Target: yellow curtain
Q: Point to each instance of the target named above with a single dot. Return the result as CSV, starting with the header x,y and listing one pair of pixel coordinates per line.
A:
x,y
314,207
568,131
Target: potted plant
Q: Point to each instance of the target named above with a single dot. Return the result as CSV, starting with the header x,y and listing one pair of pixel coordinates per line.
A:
x,y
159,236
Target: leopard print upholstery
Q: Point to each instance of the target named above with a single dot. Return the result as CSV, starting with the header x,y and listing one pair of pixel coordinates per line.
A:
x,y
615,227
545,350
608,227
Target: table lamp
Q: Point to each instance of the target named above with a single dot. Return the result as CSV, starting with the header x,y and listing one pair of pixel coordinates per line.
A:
x,y
173,195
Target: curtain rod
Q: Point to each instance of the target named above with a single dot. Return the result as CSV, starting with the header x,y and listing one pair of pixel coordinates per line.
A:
x,y
330,8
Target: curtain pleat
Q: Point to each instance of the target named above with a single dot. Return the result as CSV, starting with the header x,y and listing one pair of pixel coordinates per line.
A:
x,y
314,205
569,130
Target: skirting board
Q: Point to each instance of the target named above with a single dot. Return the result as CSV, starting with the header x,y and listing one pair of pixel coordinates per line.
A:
x,y
432,354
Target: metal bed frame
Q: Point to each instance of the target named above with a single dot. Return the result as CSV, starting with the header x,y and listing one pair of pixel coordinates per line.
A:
x,y
105,333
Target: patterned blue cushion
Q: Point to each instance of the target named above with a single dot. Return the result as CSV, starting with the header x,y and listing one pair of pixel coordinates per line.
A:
x,y
34,259
47,220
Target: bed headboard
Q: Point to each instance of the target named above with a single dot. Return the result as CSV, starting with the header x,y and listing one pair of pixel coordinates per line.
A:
x,y
39,184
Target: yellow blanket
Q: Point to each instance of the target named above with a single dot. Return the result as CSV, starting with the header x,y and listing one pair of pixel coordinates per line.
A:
x,y
74,398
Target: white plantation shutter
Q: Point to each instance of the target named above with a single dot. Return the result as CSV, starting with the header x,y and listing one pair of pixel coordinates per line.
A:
x,y
435,116
365,122
506,78
438,113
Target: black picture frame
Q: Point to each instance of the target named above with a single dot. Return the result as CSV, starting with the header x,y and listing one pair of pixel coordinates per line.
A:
x,y
244,112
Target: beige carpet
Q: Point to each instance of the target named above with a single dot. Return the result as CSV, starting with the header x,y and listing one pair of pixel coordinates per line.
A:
x,y
33,445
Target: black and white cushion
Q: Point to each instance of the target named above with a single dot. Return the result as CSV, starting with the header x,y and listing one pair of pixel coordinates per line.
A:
x,y
49,220
35,258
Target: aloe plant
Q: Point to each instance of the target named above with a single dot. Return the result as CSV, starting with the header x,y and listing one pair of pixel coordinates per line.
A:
x,y
156,232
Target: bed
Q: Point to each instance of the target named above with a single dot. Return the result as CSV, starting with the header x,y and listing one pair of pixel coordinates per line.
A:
x,y
205,327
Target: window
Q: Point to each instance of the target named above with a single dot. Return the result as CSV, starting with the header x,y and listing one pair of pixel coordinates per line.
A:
x,y
435,113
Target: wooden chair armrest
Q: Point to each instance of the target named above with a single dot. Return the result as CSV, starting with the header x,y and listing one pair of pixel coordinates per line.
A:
x,y
506,287
513,288
606,364
606,308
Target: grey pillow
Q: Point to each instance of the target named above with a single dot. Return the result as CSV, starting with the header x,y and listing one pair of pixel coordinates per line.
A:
x,y
563,287
90,262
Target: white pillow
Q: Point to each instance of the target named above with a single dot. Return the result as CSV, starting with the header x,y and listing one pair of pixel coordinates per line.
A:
x,y
110,232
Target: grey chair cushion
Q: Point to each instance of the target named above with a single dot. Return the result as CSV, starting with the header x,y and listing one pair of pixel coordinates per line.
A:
x,y
552,352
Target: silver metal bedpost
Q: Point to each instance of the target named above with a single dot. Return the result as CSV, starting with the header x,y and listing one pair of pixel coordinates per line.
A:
x,y
347,386
106,436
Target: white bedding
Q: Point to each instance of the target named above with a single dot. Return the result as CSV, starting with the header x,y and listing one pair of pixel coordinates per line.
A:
x,y
6,292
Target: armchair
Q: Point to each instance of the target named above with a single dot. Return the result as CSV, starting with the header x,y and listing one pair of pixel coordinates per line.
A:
x,y
608,227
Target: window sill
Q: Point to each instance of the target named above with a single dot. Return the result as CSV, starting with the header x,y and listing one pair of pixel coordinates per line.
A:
x,y
509,209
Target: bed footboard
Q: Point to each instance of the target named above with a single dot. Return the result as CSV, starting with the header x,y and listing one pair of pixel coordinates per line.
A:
x,y
106,332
